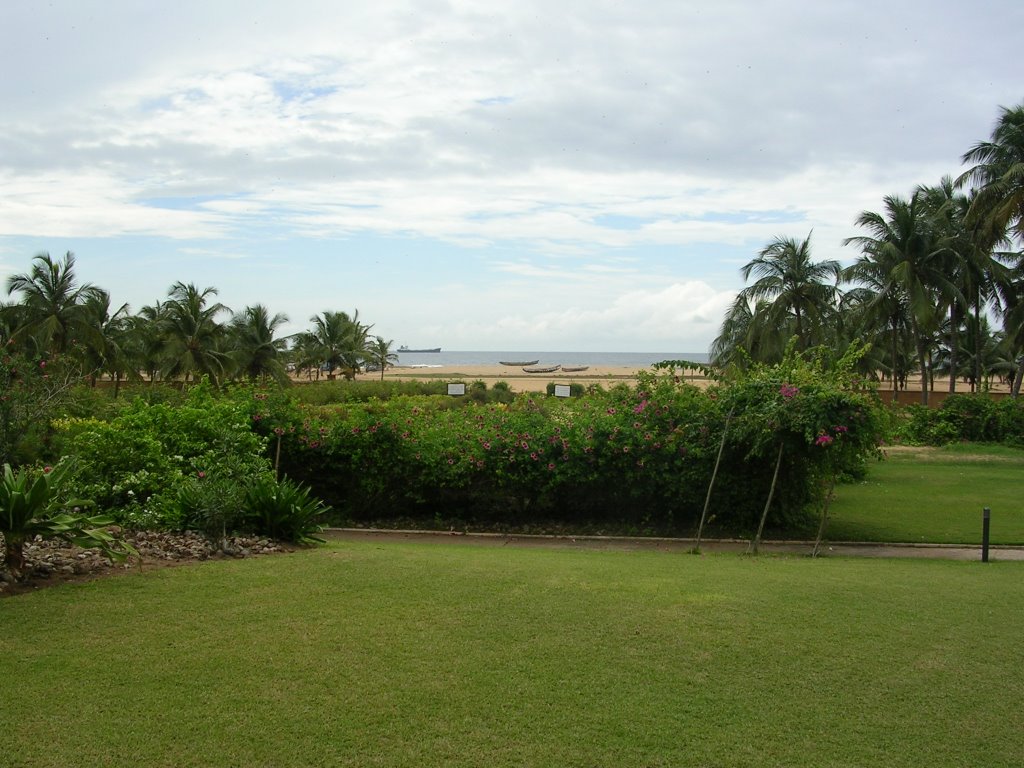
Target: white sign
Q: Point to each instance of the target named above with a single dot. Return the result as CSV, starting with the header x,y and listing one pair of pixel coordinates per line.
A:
x,y
563,390
457,389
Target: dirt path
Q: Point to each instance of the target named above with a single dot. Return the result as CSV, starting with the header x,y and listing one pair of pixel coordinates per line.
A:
x,y
832,549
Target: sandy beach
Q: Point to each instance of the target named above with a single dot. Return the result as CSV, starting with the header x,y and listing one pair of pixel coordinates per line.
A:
x,y
606,376
517,379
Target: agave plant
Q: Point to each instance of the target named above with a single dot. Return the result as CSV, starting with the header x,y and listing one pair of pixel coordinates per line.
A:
x,y
29,507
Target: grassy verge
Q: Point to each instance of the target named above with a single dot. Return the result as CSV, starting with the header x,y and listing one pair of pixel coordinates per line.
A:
x,y
934,495
399,654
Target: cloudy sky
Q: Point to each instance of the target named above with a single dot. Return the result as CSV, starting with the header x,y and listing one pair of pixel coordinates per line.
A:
x,y
527,174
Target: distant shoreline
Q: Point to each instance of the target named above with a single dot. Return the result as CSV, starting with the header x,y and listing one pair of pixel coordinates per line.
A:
x,y
609,375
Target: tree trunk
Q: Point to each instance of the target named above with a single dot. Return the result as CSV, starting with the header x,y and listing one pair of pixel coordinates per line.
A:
x,y
14,554
922,360
824,517
953,324
895,353
756,543
711,485
977,340
1015,389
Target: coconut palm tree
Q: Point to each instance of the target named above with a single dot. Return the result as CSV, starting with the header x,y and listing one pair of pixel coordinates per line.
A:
x,y
337,341
378,352
146,340
255,350
998,172
903,243
51,316
793,285
108,350
750,333
191,335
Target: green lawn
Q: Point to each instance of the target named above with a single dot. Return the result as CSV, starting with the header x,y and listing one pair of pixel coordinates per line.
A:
x,y
425,654
934,495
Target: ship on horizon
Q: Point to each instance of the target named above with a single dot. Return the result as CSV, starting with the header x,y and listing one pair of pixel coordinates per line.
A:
x,y
404,348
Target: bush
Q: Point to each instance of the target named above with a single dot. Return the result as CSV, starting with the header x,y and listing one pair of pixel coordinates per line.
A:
x,y
636,458
32,504
133,465
968,417
283,510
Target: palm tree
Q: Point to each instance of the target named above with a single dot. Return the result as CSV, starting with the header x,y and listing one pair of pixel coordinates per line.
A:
x,y
51,314
191,334
254,349
378,352
909,266
998,169
968,265
107,352
793,285
337,341
145,338
750,333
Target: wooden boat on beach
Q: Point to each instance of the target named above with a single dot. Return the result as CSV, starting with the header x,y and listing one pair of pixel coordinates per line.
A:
x,y
521,364
541,369
574,368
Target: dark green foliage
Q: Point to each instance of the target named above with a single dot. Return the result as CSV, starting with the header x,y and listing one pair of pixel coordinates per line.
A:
x,y
32,504
634,458
134,464
211,504
969,417
284,511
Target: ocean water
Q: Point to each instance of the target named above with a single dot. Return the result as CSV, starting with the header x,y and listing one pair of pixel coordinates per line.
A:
x,y
449,359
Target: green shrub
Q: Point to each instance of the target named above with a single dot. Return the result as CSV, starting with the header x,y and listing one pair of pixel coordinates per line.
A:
x,y
968,417
209,504
32,504
283,510
133,465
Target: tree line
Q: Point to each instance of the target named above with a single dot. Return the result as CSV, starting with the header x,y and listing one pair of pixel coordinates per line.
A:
x,y
185,337
935,270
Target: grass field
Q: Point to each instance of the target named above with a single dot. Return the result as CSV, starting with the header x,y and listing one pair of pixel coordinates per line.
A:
x,y
412,654
934,495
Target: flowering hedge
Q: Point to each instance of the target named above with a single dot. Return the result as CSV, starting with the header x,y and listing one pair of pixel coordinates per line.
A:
x,y
640,457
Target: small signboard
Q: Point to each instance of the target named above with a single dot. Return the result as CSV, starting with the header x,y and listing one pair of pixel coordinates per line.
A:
x,y
457,390
563,390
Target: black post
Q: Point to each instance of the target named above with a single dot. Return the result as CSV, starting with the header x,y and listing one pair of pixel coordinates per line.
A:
x,y
986,517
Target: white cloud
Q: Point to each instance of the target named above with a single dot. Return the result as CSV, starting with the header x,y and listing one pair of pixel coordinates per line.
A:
x,y
543,141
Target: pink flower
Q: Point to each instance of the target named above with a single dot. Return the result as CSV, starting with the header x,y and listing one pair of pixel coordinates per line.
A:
x,y
47,470
200,474
788,391
823,440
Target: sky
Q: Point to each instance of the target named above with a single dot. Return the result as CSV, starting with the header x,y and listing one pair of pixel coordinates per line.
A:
x,y
542,175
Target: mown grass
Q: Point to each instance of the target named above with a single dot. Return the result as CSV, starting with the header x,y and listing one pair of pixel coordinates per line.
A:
x,y
934,495
418,654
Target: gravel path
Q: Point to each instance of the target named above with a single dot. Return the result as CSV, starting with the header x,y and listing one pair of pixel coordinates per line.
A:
x,y
830,549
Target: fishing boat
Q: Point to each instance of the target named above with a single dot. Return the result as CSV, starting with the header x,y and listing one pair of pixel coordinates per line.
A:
x,y
574,368
520,364
541,369
416,351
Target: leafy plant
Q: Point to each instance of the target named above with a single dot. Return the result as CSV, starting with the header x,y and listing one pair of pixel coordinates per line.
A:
x,y
210,505
284,510
30,506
